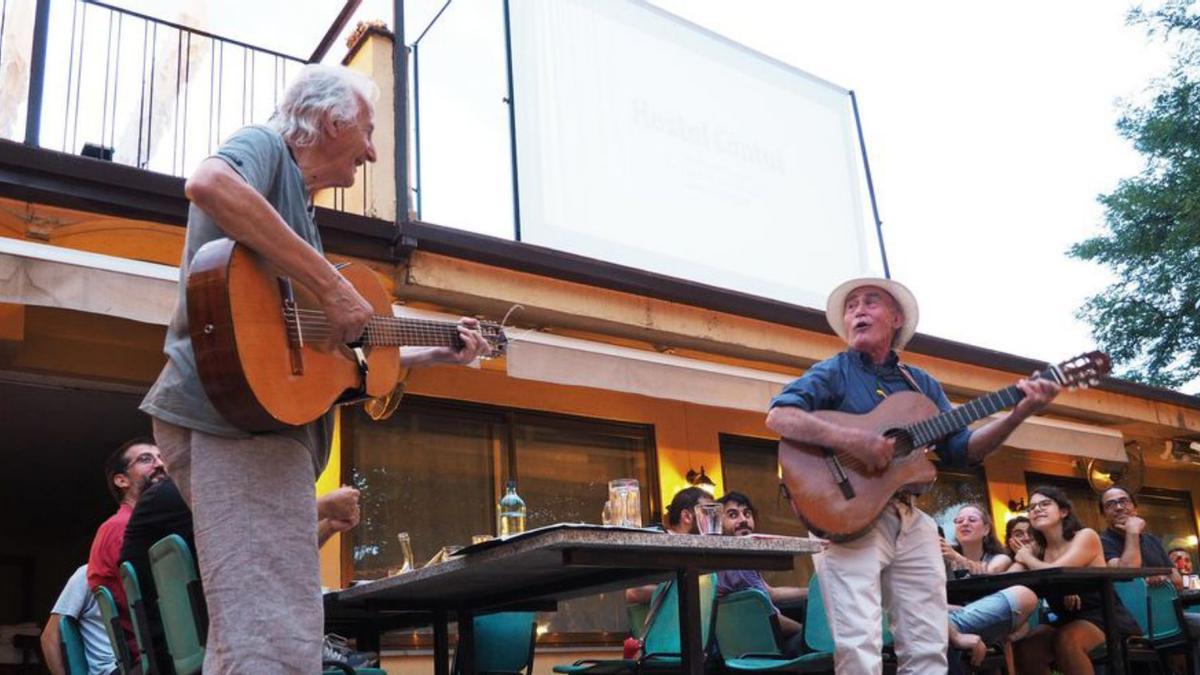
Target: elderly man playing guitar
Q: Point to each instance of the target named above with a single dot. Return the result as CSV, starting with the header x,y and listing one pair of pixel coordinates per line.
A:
x,y
252,494
894,559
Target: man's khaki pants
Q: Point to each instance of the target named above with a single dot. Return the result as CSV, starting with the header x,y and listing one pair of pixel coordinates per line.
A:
x,y
896,565
255,514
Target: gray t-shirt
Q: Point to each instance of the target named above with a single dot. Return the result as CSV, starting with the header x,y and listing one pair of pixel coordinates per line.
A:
x,y
259,155
78,602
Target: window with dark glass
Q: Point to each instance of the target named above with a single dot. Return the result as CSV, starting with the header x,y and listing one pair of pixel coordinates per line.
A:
x,y
436,470
751,466
954,489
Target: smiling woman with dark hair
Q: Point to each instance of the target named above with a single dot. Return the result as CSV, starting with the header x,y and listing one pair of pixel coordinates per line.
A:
x,y
1079,624
976,550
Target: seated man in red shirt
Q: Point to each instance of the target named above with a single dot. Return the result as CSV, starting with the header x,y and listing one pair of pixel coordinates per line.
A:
x,y
129,470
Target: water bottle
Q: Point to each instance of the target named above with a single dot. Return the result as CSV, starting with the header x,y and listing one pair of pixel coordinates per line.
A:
x,y
511,512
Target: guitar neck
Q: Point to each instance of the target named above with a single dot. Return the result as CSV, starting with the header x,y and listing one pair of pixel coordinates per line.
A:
x,y
389,331
929,430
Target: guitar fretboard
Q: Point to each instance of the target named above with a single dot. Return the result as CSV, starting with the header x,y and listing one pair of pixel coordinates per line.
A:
x,y
927,431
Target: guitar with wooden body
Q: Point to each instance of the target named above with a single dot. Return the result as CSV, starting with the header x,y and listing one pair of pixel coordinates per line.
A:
x,y
260,341
835,495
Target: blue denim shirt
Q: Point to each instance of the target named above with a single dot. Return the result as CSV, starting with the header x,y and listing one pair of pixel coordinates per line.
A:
x,y
850,382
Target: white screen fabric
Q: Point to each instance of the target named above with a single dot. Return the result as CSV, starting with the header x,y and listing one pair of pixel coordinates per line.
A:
x,y
647,141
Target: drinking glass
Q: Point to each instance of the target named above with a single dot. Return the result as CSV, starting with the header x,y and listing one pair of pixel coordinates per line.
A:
x,y
625,502
708,517
406,549
606,516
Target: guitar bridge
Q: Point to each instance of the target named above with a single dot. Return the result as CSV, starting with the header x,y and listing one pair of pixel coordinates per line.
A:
x,y
291,320
839,474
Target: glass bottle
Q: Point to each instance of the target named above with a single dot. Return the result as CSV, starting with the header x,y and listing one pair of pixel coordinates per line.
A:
x,y
406,551
511,512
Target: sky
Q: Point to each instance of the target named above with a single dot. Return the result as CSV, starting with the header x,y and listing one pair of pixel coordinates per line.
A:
x,y
990,131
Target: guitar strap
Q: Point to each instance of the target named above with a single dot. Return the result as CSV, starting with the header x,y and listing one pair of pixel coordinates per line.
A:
x,y
912,381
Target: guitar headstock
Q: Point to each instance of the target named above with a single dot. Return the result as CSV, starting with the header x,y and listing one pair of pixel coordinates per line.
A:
x,y
1081,372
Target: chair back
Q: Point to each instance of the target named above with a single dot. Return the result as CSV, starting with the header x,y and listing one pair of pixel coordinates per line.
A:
x,y
744,624
1133,595
112,626
662,633
71,641
817,635
1164,621
180,602
504,643
137,613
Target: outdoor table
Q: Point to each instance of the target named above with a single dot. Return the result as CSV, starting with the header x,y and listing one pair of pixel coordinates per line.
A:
x,y
365,626
564,561
1061,581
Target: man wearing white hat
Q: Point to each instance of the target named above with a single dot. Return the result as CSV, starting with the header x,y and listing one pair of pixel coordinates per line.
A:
x,y
896,563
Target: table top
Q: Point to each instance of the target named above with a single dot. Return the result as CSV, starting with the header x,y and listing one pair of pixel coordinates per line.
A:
x,y
1059,580
567,561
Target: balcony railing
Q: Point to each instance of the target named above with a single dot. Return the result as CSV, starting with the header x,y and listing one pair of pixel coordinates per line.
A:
x,y
133,89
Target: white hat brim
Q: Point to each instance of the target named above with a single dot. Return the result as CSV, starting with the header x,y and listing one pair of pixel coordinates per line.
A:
x,y
835,306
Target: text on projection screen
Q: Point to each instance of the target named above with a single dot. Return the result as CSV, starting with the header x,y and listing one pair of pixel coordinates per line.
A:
x,y
648,142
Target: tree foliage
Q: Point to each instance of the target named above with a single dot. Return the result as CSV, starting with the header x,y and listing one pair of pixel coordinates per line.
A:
x,y
1149,319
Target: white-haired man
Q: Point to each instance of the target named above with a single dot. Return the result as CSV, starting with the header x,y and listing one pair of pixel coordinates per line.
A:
x,y
897,561
252,496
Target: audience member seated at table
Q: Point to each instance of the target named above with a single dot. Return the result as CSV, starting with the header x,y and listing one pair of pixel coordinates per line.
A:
x,y
681,519
1017,533
1181,559
1078,626
976,550
77,602
737,520
129,470
1125,541
161,511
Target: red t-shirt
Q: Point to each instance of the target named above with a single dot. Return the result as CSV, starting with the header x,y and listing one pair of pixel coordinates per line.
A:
x,y
104,564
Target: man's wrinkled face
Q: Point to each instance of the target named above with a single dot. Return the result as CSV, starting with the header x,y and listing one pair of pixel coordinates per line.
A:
x,y
871,318
737,519
349,144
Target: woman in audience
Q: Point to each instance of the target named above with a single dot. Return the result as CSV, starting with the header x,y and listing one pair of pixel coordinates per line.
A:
x,y
1078,627
1017,532
977,550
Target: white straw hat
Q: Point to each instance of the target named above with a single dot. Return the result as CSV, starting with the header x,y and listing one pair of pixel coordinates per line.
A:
x,y
835,307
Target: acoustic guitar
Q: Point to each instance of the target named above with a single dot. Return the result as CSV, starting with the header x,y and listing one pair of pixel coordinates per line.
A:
x,y
260,341
835,495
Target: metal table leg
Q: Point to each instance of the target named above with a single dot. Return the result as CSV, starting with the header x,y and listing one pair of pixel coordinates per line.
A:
x,y
1115,644
689,621
441,644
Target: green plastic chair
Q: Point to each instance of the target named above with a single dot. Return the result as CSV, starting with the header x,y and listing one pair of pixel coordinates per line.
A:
x,y
1133,595
1139,651
71,642
661,647
181,605
1167,627
747,632
504,644
817,635
112,626
147,660
180,602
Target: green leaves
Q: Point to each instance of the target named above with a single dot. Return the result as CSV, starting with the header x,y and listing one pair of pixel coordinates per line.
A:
x,y
1149,320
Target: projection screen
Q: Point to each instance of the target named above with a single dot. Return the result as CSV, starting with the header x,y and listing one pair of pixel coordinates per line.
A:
x,y
648,141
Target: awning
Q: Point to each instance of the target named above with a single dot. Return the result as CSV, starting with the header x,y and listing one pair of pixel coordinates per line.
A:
x,y
52,276
1067,438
